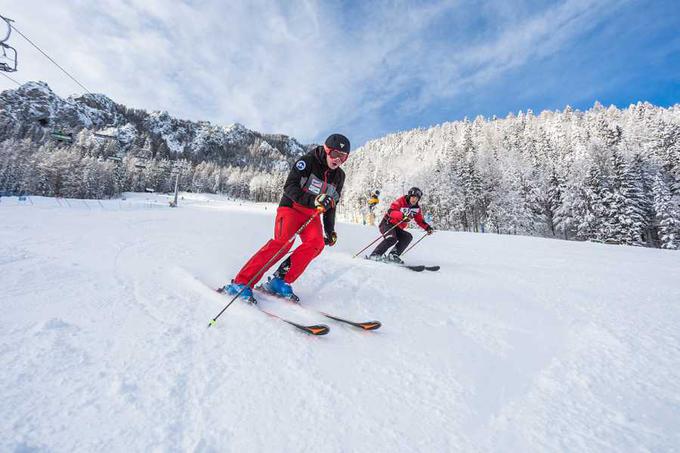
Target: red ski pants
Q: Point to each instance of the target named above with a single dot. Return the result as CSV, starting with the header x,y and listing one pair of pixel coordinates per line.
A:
x,y
288,220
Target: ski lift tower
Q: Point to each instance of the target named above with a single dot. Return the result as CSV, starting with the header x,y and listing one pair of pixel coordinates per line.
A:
x,y
176,172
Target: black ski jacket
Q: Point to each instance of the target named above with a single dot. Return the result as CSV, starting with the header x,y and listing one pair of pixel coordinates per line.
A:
x,y
310,177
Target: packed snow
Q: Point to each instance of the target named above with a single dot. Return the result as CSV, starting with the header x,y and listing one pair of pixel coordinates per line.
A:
x,y
516,344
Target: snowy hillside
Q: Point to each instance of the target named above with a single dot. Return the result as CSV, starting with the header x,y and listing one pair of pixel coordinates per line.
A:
x,y
606,174
34,112
517,344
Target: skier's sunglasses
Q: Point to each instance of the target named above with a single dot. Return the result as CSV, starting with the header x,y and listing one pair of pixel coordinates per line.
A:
x,y
336,153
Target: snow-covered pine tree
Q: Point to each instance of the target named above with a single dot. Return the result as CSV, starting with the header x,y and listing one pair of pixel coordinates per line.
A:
x,y
667,214
640,194
589,208
624,217
552,202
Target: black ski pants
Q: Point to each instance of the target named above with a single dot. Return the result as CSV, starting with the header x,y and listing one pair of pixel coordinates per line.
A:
x,y
397,236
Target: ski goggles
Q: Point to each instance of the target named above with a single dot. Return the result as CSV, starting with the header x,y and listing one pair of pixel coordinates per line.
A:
x,y
336,153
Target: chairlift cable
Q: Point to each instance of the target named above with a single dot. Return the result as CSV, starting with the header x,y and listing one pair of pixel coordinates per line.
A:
x,y
2,73
50,58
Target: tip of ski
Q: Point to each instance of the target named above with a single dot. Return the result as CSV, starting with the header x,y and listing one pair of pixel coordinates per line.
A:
x,y
366,325
318,329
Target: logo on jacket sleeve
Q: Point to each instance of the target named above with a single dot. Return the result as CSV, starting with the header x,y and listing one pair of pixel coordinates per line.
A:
x,y
301,165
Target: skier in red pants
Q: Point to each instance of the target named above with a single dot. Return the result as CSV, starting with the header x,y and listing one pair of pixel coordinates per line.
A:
x,y
393,226
314,183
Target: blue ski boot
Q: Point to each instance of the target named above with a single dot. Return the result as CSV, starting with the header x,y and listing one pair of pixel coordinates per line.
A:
x,y
234,288
276,286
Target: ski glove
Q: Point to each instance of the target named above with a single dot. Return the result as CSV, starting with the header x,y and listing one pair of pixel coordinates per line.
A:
x,y
429,229
324,202
331,239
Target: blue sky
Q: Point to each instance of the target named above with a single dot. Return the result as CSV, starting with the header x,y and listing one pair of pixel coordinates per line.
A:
x,y
365,69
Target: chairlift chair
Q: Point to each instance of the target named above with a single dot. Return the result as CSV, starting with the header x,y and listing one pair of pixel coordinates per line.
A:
x,y
62,136
142,164
8,54
8,63
105,136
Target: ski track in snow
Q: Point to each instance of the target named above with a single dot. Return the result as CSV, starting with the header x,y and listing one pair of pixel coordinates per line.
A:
x,y
516,344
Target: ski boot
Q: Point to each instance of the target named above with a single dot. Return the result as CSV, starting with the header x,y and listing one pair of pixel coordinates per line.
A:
x,y
394,258
277,287
246,293
375,257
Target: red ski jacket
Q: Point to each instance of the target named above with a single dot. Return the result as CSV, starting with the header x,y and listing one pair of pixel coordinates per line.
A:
x,y
399,207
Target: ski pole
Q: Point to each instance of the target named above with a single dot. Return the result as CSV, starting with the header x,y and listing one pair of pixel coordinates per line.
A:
x,y
416,243
382,236
265,266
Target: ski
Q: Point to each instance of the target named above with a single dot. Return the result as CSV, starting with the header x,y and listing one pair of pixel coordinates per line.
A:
x,y
421,267
365,325
416,268
317,329
412,267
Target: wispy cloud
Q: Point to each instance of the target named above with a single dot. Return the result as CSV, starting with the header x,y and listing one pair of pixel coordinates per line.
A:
x,y
301,68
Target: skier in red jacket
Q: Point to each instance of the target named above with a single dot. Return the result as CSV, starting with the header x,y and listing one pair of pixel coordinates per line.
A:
x,y
401,211
314,183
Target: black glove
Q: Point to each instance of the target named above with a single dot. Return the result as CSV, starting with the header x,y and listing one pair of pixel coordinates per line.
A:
x,y
331,239
324,202
429,229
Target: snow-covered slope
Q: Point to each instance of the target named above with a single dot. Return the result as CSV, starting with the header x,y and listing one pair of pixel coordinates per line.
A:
x,y
517,344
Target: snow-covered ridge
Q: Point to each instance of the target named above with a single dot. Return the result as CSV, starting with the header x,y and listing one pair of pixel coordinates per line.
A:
x,y
34,111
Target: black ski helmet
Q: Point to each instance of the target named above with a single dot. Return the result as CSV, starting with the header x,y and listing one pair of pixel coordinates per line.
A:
x,y
339,142
415,192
